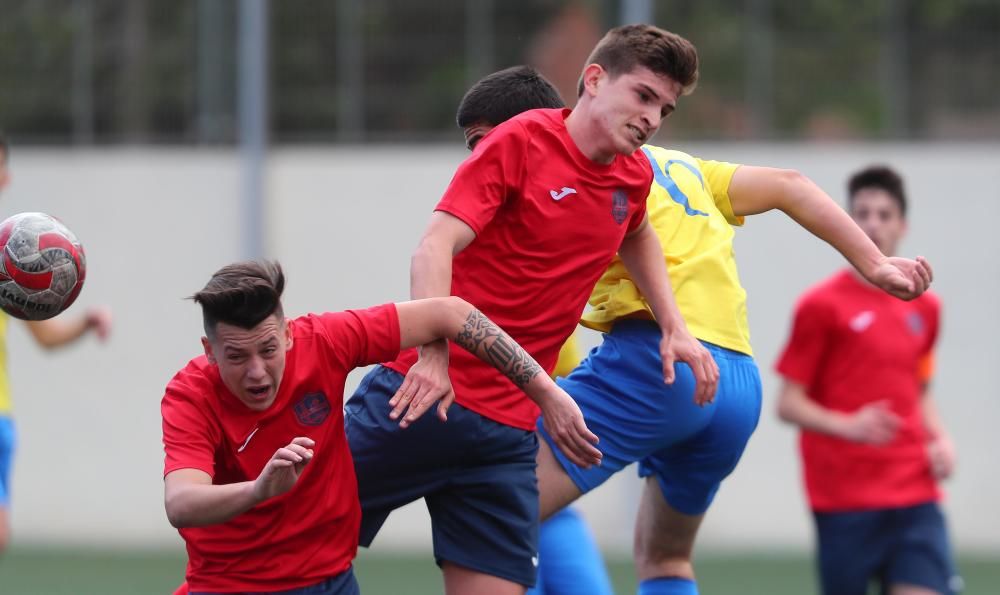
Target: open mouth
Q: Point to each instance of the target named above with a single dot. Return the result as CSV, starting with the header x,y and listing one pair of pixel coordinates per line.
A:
x,y
640,136
258,391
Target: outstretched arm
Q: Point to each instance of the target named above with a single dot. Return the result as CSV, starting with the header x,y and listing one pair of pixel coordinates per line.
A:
x,y
421,321
56,332
642,255
192,500
756,190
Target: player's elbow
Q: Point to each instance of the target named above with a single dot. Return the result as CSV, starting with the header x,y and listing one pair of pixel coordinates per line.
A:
x,y
178,513
786,406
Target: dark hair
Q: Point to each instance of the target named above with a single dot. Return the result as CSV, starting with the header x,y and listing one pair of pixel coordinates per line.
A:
x,y
500,96
624,48
242,294
881,177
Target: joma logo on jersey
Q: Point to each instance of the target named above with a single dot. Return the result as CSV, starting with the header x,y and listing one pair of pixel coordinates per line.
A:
x,y
312,409
619,206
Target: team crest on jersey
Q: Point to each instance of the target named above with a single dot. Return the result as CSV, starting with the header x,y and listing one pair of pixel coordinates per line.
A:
x,y
915,322
619,206
312,409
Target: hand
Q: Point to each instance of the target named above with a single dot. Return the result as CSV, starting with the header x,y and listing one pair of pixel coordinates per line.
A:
x,y
681,346
903,277
99,319
941,452
564,423
283,470
426,383
875,424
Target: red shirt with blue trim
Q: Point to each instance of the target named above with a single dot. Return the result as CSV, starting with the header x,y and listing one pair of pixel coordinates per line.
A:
x,y
548,221
852,344
309,533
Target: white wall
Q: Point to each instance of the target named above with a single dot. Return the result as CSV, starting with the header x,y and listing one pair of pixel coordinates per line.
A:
x,y
343,222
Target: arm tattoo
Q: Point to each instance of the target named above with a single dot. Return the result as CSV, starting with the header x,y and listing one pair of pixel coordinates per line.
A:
x,y
480,336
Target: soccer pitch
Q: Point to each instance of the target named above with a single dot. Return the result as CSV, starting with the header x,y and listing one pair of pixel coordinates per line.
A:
x,y
78,572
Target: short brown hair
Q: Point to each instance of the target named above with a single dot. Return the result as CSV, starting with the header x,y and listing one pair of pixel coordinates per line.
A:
x,y
880,177
624,48
242,294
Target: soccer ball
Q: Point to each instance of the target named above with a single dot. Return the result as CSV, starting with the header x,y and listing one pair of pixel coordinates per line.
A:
x,y
42,266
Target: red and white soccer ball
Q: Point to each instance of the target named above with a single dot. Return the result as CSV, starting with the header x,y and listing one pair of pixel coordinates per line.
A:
x,y
42,266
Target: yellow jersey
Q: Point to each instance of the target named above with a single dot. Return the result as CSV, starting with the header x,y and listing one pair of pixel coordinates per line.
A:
x,y
690,210
5,405
569,358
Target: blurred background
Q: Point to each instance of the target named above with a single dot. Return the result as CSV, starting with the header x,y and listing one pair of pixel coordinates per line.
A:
x,y
174,136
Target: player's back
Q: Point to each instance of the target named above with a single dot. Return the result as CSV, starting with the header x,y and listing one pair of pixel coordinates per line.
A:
x,y
690,210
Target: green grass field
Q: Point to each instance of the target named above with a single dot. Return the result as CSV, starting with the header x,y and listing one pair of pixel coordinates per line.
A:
x,y
73,572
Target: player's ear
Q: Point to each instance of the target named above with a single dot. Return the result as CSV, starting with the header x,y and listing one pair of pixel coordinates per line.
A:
x,y
208,350
288,334
593,76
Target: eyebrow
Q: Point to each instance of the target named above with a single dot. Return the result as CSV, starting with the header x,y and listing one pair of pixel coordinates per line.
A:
x,y
650,90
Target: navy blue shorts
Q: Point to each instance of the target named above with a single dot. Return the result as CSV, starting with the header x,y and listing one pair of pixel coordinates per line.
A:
x,y
689,449
889,546
341,584
477,477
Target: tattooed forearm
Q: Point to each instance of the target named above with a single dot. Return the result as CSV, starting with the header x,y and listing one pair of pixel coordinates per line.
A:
x,y
480,336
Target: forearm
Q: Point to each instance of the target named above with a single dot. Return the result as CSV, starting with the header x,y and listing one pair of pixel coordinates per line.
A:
x,y
795,407
430,276
197,505
484,339
642,255
812,208
51,334
931,418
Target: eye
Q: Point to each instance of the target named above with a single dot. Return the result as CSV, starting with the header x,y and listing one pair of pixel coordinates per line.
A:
x,y
644,97
270,351
234,358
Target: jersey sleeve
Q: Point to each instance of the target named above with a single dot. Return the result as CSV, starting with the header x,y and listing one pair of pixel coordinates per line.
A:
x,y
485,180
362,337
189,436
926,365
809,340
718,175
640,213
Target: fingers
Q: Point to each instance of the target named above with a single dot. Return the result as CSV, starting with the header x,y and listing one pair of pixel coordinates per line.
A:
x,y
926,268
418,406
576,442
668,366
402,398
442,409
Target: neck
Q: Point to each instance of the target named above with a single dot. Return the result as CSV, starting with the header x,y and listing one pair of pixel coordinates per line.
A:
x,y
586,137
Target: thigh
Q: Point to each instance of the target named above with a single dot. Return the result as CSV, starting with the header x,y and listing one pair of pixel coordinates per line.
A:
x,y
486,518
8,441
690,471
921,556
396,466
852,549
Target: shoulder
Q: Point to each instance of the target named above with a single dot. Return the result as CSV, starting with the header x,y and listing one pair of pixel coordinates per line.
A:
x,y
929,303
662,156
821,296
194,385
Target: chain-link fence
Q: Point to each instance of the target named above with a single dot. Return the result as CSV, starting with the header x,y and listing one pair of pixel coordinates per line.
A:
x,y
165,71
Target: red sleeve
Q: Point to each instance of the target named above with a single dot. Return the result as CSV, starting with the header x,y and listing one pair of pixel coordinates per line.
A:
x,y
809,341
485,180
189,436
637,217
362,337
926,366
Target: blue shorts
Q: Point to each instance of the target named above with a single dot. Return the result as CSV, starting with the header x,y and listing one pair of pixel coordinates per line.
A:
x,y
477,477
638,418
891,546
341,584
8,441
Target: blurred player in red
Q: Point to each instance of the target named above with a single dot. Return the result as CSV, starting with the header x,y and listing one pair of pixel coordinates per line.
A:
x,y
526,227
857,370
258,476
48,334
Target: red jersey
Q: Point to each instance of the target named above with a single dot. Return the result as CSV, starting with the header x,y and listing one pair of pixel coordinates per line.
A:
x,y
853,344
548,221
311,532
